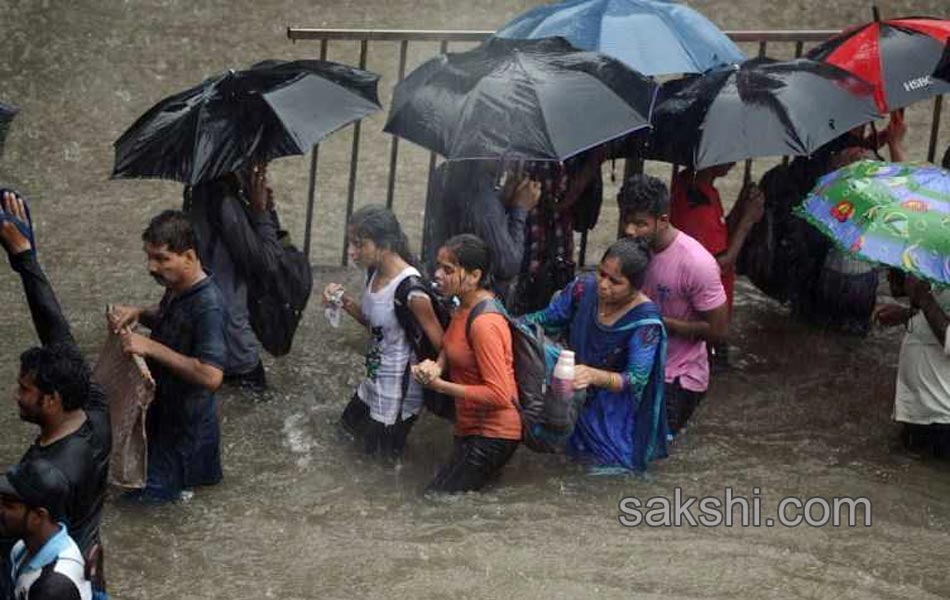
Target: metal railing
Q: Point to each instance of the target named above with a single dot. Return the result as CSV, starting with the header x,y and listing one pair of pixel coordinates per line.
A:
x,y
405,37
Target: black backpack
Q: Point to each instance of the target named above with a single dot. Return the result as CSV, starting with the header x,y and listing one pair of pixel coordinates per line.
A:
x,y
438,404
531,357
276,301
417,338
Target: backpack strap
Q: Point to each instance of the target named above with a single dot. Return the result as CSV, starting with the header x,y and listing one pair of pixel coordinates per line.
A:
x,y
407,320
409,325
488,305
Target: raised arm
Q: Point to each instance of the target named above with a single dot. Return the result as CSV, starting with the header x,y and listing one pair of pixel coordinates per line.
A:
x,y
48,320
504,230
249,235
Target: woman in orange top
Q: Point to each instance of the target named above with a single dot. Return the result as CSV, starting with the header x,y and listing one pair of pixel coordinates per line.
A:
x,y
480,366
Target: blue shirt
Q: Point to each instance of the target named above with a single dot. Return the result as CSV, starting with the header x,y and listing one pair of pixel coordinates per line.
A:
x,y
619,429
56,571
182,425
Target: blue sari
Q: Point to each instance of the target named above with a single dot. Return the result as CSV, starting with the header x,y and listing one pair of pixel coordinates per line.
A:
x,y
615,429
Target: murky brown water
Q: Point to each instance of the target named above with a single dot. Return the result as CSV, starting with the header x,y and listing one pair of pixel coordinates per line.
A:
x,y
300,515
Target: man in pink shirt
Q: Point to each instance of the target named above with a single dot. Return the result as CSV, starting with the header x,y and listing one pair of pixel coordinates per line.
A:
x,y
684,280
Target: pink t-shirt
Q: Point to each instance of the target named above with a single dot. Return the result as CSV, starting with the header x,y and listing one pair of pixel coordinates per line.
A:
x,y
684,280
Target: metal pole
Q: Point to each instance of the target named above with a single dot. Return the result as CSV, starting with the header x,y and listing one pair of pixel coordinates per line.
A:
x,y
312,191
934,129
354,162
747,174
582,259
443,48
799,50
394,149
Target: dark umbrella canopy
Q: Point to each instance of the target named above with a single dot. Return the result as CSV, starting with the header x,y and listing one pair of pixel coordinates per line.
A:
x,y
654,37
761,108
898,56
943,67
7,113
530,99
273,109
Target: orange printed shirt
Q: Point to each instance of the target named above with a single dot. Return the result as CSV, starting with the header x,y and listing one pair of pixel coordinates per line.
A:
x,y
485,367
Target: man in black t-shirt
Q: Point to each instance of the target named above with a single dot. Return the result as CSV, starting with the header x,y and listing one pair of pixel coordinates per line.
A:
x,y
54,391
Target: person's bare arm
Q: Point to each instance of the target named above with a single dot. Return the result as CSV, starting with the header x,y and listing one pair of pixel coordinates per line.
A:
x,y
580,182
188,368
424,313
922,297
896,130
749,210
712,327
120,316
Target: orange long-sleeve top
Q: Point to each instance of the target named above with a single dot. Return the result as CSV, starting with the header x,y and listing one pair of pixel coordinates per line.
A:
x,y
486,370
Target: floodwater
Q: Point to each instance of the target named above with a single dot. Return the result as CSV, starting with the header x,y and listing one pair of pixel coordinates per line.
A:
x,y
806,413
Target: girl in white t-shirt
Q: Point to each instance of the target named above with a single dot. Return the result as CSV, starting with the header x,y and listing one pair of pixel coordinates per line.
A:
x,y
387,402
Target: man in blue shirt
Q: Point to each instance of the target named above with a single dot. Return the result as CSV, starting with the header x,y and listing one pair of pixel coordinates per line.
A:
x,y
186,353
46,562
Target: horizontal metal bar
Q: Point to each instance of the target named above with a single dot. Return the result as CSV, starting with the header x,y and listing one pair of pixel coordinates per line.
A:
x,y
454,35
386,35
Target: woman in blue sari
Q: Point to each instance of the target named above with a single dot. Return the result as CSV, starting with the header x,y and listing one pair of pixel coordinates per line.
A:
x,y
619,342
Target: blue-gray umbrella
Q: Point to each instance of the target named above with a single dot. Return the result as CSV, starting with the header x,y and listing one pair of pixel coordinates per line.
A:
x,y
654,37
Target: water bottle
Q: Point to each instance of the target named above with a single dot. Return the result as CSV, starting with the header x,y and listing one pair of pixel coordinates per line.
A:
x,y
558,406
333,311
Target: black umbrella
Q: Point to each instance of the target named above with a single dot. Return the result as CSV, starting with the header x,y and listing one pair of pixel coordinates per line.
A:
x,y
531,99
760,108
7,113
273,109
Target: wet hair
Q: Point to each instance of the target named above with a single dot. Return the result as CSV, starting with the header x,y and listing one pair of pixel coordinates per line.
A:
x,y
643,193
634,256
58,368
378,223
471,252
170,228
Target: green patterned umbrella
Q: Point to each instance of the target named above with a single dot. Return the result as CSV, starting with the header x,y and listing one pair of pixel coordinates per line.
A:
x,y
894,214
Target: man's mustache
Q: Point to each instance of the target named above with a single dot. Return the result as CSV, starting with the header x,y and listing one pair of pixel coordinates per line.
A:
x,y
159,279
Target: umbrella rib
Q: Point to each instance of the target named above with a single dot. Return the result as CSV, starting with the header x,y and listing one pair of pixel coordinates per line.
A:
x,y
537,99
194,147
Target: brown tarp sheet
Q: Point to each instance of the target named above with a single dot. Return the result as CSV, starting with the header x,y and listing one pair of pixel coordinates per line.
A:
x,y
130,389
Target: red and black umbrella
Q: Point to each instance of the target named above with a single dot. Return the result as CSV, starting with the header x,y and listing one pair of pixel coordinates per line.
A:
x,y
898,56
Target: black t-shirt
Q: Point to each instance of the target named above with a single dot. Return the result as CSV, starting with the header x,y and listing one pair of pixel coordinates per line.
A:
x,y
83,457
